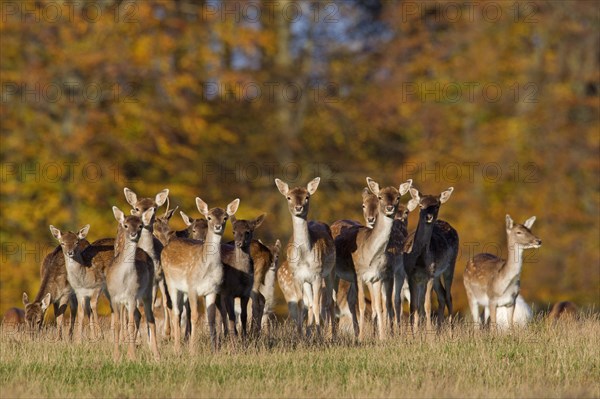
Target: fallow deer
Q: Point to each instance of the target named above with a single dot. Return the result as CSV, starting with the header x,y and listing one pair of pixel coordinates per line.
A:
x,y
292,291
430,256
196,228
493,282
238,267
129,278
161,229
14,318
562,311
521,316
310,256
362,256
195,268
153,247
54,285
267,287
85,266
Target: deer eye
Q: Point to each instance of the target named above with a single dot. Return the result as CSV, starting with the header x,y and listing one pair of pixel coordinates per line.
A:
x,y
519,233
126,226
306,199
209,218
364,206
225,218
289,198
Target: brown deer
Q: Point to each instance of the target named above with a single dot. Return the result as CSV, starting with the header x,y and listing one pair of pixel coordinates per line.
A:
x,y
197,228
161,229
153,247
129,278
362,256
310,256
429,257
195,268
493,282
563,311
14,318
85,267
238,267
56,289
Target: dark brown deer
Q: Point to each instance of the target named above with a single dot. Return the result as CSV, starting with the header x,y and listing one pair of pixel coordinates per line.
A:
x,y
493,282
129,279
238,267
195,268
563,311
310,256
430,255
56,289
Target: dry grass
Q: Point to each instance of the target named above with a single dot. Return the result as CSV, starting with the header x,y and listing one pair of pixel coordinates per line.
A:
x,y
561,360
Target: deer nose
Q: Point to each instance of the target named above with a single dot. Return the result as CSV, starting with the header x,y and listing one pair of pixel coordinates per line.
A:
x,y
70,253
298,208
539,242
218,228
389,208
429,218
371,220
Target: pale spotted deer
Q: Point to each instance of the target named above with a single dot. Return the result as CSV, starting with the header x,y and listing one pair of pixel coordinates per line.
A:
x,y
85,266
55,287
362,257
493,282
129,279
429,257
310,256
152,245
195,268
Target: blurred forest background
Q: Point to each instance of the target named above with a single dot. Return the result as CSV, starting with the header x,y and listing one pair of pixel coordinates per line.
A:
x,y
216,98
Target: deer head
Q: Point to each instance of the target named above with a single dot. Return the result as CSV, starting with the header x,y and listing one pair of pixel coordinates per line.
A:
x,y
197,228
370,207
244,229
217,217
298,197
69,241
275,250
34,312
388,198
139,206
131,226
521,235
161,228
429,204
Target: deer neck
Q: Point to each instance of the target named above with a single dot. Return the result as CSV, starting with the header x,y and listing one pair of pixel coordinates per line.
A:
x,y
514,262
126,255
300,233
73,264
422,237
243,259
379,236
146,241
212,247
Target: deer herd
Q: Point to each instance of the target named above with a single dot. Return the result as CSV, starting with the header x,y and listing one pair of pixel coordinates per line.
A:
x,y
323,275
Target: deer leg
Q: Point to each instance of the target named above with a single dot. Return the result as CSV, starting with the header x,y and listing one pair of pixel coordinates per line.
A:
x,y
361,310
258,312
80,313
59,311
440,294
95,327
73,306
115,320
307,298
428,303
329,295
493,306
177,298
510,312
474,307
244,315
398,281
448,277
352,299
164,293
209,301
131,308
317,288
229,318
387,287
194,316
148,304
375,290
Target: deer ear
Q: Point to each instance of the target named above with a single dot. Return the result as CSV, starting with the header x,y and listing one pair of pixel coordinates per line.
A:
x,y
445,196
119,215
81,234
233,207
258,220
373,186
46,301
412,204
509,222
186,219
147,216
414,193
529,222
55,232
312,185
161,197
130,196
202,206
25,299
404,187
277,245
282,186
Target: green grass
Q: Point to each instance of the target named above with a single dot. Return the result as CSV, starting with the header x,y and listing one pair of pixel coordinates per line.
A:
x,y
544,360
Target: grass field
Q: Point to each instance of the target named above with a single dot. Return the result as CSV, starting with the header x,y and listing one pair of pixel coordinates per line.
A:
x,y
544,360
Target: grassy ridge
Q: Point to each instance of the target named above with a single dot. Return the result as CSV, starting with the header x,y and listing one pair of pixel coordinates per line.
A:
x,y
543,360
